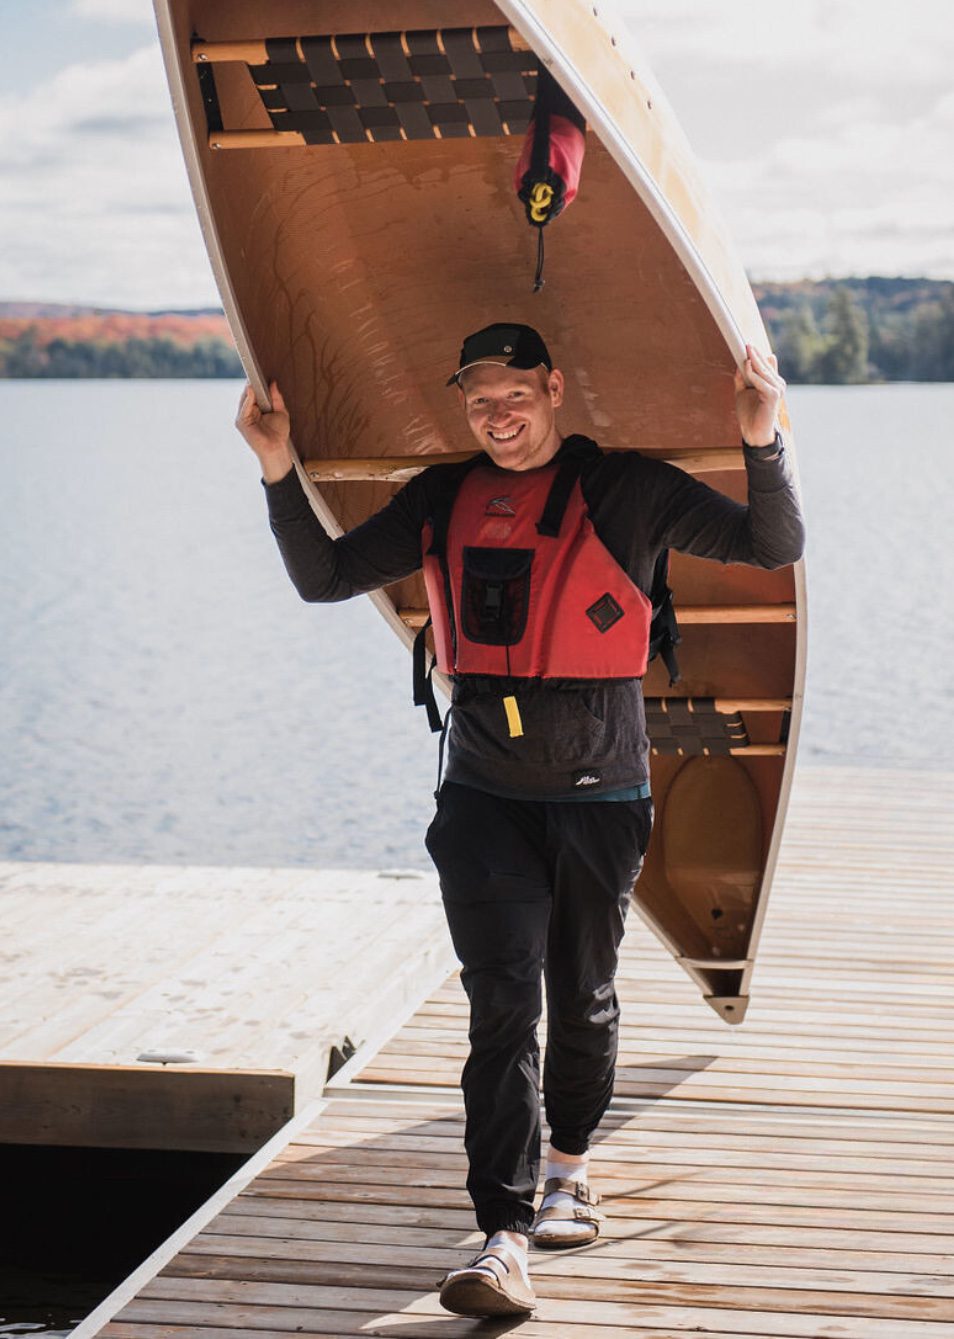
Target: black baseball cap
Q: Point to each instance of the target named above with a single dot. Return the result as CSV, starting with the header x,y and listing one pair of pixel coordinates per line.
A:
x,y
507,345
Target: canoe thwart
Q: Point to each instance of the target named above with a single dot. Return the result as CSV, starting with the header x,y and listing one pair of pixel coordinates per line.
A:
x,y
426,83
688,614
378,469
398,469
254,51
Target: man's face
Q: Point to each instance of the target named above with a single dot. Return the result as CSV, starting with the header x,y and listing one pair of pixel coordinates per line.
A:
x,y
512,413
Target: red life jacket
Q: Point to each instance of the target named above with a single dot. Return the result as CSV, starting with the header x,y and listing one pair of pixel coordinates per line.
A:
x,y
520,585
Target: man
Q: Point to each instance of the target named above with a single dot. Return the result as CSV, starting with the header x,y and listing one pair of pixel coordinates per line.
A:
x,y
539,559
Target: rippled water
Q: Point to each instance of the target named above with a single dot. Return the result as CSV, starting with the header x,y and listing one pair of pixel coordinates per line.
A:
x,y
165,696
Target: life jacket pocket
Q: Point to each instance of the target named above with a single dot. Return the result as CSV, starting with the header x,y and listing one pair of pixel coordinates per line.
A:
x,y
495,594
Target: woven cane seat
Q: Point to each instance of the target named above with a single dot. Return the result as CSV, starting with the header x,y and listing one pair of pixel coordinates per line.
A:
x,y
449,83
692,726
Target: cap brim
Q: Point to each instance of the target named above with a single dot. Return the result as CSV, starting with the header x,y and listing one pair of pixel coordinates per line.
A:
x,y
493,362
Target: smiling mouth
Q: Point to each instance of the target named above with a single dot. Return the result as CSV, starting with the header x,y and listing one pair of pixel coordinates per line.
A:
x,y
505,436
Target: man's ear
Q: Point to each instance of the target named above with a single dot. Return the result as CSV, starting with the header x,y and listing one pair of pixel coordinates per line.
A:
x,y
556,385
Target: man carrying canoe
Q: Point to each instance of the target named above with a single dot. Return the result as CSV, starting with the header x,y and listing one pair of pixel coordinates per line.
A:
x,y
539,558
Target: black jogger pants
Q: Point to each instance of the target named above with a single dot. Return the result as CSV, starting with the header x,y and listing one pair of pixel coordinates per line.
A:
x,y
534,888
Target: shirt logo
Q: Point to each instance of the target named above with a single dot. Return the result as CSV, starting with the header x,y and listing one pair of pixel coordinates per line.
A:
x,y
500,506
587,779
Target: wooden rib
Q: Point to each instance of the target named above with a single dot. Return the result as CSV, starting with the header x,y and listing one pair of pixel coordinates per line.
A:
x,y
253,51
400,468
686,614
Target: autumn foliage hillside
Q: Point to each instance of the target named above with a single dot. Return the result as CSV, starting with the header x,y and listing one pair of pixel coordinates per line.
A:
x,y
73,342
117,327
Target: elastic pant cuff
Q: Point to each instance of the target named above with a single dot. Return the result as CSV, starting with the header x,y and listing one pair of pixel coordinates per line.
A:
x,y
502,1220
575,1145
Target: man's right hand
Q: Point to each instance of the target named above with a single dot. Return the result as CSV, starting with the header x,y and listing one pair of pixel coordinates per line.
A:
x,y
268,433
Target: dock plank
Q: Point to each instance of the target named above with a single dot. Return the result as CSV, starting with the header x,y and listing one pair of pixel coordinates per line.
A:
x,y
791,1178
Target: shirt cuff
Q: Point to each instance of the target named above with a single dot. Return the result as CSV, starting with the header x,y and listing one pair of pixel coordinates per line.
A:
x,y
773,451
286,495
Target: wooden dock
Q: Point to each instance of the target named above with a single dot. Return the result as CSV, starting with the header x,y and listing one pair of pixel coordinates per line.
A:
x,y
196,1008
792,1177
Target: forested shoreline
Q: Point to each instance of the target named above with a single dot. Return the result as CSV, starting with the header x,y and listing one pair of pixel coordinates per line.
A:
x,y
830,331
856,331
45,340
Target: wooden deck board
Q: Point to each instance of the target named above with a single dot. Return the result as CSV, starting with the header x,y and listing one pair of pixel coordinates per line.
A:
x,y
186,948
790,1178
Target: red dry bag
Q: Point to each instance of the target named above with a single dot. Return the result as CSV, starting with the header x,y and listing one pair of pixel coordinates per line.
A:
x,y
547,176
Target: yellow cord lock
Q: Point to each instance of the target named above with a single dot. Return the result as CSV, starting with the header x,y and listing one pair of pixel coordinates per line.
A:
x,y
541,198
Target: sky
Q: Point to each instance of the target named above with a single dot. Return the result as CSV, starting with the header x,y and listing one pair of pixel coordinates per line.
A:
x,y
825,129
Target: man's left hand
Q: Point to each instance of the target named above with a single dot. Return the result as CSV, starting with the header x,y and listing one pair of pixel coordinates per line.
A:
x,y
758,390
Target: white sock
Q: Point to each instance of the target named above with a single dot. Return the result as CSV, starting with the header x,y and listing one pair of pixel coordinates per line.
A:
x,y
515,1253
565,1171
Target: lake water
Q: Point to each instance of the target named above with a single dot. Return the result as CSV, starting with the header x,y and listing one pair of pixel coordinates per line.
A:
x,y
166,697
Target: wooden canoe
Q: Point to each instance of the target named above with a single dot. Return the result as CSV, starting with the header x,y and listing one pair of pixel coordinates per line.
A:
x,y
360,219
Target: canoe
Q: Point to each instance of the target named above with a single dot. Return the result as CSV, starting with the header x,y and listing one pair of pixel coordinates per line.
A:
x,y
352,167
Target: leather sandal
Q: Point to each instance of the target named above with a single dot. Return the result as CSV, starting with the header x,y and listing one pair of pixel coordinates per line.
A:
x,y
583,1213
484,1289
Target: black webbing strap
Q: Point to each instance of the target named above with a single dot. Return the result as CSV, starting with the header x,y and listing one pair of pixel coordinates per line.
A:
x,y
664,634
210,95
540,151
440,750
578,452
423,680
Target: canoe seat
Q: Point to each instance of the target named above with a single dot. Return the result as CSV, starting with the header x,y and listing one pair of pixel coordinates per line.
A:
x,y
449,83
691,726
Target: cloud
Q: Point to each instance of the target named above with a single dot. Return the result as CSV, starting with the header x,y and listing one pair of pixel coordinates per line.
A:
x,y
97,205
870,196
838,38
115,11
825,135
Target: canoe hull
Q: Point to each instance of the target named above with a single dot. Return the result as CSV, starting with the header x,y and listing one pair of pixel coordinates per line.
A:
x,y
351,271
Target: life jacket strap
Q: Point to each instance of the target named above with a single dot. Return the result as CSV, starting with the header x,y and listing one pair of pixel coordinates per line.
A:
x,y
664,634
581,453
423,680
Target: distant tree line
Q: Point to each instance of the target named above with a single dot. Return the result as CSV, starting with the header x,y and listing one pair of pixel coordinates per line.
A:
x,y
861,330
833,331
28,355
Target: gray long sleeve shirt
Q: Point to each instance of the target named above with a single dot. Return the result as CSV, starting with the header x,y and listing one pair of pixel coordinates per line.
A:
x,y
639,506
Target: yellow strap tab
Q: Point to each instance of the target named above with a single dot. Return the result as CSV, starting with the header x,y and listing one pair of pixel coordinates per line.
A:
x,y
513,717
